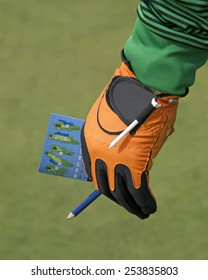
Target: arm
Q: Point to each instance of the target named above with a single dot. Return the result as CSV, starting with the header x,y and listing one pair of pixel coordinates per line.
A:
x,y
169,42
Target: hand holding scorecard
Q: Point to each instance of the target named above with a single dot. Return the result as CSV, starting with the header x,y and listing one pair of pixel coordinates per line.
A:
x,y
121,173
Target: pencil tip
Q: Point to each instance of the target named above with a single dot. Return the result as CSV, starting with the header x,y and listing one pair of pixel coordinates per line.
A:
x,y
110,146
70,216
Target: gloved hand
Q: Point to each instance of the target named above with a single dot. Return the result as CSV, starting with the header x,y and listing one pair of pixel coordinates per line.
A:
x,y
122,172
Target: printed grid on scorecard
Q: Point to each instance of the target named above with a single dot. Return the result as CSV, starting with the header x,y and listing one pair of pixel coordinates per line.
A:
x,y
62,155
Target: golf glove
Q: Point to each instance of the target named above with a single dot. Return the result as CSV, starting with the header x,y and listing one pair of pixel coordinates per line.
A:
x,y
122,172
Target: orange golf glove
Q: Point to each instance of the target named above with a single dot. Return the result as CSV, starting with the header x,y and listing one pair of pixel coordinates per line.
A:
x,y
122,172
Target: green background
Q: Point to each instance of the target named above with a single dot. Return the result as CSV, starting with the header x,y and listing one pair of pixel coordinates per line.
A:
x,y
56,56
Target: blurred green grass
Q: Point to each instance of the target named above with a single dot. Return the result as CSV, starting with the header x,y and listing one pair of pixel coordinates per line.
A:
x,y
56,56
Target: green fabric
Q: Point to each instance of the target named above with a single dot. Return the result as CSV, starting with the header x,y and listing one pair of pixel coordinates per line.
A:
x,y
164,60
183,21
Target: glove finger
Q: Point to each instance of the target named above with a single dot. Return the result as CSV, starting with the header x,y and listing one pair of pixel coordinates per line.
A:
x,y
120,195
125,198
102,179
85,154
142,196
101,169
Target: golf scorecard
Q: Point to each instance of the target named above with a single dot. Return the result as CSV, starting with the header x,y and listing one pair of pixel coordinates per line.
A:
x,y
61,154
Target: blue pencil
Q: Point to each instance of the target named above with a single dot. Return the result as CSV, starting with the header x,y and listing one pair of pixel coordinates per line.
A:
x,y
79,208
